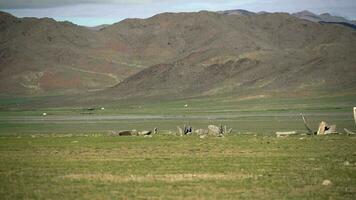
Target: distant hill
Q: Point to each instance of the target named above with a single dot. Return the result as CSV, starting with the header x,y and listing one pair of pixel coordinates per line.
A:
x,y
42,56
325,17
237,12
235,54
353,26
177,55
98,28
307,15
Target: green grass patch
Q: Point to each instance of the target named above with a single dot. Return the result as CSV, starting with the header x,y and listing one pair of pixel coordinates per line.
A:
x,y
170,167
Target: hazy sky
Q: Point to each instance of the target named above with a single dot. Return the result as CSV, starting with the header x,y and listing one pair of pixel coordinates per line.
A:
x,y
96,12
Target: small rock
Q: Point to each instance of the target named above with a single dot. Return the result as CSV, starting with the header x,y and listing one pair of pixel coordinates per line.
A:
x,y
145,133
346,163
201,132
44,114
123,133
202,136
326,182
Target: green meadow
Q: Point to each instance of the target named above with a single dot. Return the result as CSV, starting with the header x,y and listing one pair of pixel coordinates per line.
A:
x,y
170,167
71,154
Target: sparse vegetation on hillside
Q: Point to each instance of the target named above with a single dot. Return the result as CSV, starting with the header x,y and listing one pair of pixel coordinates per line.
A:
x,y
191,54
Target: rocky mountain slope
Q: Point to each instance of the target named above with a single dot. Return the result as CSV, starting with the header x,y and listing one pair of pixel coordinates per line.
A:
x,y
177,54
42,56
306,15
243,54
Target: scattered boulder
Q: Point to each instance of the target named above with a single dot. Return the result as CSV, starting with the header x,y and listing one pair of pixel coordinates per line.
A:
x,y
321,129
219,131
214,130
134,133
124,133
331,130
326,182
324,129
145,133
180,131
202,136
201,132
285,133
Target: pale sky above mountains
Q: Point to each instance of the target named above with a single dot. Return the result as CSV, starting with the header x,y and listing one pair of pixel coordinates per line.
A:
x,y
96,12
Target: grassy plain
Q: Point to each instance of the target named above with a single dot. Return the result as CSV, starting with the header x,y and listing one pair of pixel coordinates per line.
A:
x,y
69,154
254,114
170,167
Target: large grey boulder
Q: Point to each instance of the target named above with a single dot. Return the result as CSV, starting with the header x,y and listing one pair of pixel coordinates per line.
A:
x,y
124,133
214,130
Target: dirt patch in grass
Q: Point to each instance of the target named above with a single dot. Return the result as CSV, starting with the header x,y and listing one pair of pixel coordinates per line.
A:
x,y
153,178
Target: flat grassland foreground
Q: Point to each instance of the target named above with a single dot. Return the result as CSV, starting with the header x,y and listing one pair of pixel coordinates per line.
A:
x,y
238,166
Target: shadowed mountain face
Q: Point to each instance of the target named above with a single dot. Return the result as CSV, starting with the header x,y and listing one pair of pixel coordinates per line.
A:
x,y
325,17
238,54
183,54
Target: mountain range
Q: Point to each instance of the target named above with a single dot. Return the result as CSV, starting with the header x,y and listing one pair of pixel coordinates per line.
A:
x,y
307,15
177,55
